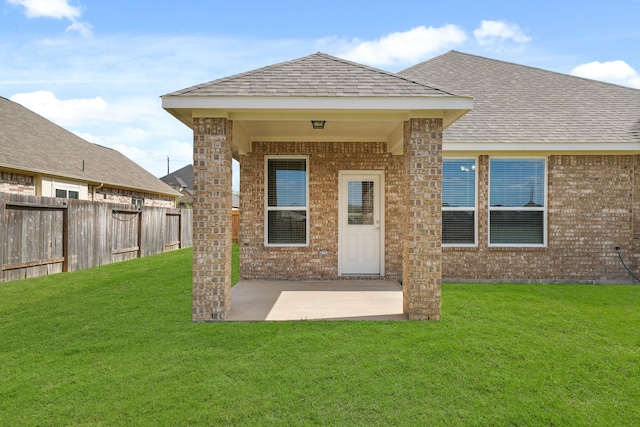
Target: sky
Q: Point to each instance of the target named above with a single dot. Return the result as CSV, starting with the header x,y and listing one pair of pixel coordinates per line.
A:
x,y
98,68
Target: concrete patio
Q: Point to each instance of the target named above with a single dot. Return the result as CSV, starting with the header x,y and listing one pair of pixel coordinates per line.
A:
x,y
316,300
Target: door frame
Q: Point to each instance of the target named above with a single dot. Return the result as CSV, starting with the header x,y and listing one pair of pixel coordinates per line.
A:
x,y
342,175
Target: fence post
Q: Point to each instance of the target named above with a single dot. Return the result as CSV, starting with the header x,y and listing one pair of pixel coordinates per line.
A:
x,y
180,229
65,240
3,237
140,233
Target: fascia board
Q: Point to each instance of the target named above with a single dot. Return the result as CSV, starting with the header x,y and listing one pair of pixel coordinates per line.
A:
x,y
318,103
557,148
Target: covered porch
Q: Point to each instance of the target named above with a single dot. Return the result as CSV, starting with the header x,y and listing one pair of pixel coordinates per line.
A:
x,y
309,134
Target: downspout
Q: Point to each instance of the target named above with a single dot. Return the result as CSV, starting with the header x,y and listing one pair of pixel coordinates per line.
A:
x,y
93,196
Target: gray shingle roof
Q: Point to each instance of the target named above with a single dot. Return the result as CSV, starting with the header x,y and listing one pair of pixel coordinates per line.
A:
x,y
314,75
32,143
520,104
182,177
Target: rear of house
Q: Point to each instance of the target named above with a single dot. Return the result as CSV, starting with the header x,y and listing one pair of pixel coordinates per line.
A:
x,y
460,168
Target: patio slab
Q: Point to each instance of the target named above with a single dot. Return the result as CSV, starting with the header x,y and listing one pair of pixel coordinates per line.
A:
x,y
316,300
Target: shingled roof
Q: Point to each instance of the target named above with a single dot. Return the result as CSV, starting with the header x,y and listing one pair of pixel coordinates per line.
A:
x,y
314,75
520,104
32,143
182,177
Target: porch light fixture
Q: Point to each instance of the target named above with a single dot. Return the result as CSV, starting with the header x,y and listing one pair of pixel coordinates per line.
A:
x,y
318,124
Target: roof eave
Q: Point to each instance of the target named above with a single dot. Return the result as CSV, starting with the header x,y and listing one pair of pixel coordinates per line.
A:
x,y
451,108
603,147
92,181
368,103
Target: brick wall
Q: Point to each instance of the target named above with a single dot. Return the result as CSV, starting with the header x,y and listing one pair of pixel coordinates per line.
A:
x,y
17,184
592,206
117,195
325,160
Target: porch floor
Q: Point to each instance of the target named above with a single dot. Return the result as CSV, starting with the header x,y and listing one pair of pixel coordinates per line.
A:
x,y
316,300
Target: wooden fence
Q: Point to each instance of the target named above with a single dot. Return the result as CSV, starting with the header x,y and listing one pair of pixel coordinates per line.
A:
x,y
235,226
43,235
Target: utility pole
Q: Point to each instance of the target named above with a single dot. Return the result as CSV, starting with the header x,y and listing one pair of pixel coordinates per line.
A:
x,y
167,165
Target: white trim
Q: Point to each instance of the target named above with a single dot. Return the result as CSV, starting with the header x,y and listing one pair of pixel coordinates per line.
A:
x,y
554,147
318,102
465,209
544,209
381,212
268,208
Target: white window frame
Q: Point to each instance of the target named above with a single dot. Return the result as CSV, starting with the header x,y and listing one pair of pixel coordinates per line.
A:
x,y
543,209
465,209
48,187
67,194
268,208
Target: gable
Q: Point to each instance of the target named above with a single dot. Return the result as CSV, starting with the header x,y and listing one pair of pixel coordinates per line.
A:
x,y
278,102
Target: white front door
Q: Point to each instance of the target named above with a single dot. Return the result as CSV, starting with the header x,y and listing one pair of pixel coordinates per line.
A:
x,y
360,215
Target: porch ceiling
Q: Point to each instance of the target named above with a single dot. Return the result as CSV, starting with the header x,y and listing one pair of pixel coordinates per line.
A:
x,y
347,120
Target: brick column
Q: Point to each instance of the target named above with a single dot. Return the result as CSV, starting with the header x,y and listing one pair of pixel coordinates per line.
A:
x,y
422,219
211,219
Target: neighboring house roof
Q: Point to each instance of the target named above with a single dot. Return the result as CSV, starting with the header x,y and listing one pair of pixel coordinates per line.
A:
x,y
182,178
33,144
520,104
314,75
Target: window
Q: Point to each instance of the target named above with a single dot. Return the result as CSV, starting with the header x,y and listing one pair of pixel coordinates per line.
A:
x,y
70,194
286,222
137,202
459,202
517,202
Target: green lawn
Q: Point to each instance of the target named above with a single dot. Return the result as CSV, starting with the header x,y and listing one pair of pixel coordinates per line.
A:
x,y
115,346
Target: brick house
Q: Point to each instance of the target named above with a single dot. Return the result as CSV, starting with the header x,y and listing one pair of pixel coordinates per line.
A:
x,y
40,158
460,168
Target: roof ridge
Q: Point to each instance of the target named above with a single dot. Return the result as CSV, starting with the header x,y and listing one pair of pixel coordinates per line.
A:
x,y
531,67
381,71
323,55
235,76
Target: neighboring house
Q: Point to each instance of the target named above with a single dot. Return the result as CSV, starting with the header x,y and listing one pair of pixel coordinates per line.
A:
x,y
182,181
350,172
40,158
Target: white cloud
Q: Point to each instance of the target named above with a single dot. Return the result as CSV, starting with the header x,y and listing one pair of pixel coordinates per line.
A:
x,y
57,9
63,112
618,72
497,32
408,47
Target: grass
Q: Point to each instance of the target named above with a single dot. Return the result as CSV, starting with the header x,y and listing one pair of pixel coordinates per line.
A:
x,y
114,345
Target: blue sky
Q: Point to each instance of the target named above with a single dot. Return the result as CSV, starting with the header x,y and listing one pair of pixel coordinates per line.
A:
x,y
98,67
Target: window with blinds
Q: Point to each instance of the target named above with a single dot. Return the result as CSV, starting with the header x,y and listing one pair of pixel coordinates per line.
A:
x,y
459,202
287,207
517,202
